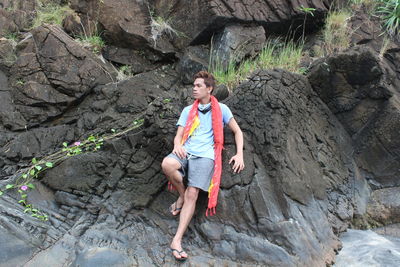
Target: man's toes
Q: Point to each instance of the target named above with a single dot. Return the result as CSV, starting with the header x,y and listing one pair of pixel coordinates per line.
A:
x,y
183,254
176,254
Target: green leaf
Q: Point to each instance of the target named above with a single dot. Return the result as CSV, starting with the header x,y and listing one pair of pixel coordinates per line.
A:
x,y
91,138
38,167
32,172
34,161
1,193
30,185
23,196
21,201
113,130
24,175
9,186
65,144
27,209
49,164
34,210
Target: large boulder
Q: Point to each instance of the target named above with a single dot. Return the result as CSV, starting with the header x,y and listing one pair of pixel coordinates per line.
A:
x,y
236,43
361,89
113,203
51,72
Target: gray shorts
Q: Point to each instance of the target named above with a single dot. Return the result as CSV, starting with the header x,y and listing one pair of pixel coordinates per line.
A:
x,y
197,170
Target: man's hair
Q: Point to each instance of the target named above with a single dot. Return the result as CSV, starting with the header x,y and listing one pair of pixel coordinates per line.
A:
x,y
209,79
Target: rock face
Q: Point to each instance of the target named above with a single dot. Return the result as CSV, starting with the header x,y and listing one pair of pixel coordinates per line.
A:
x,y
275,209
316,146
362,90
15,15
235,43
53,71
170,26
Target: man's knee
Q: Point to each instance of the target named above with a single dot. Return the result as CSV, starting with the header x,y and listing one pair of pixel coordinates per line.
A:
x,y
169,164
191,194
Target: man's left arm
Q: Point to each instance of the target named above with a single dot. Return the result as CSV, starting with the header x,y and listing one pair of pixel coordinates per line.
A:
x,y
238,165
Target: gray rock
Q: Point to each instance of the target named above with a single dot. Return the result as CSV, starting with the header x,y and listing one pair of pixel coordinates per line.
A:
x,y
44,87
16,252
194,59
235,43
384,206
362,90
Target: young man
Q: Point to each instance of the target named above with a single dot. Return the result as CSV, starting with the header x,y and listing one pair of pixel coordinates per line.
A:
x,y
197,150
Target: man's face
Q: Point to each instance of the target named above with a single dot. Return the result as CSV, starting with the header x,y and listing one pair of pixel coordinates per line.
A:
x,y
200,90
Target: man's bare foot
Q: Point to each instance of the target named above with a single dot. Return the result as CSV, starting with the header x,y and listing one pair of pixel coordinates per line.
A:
x,y
177,250
176,207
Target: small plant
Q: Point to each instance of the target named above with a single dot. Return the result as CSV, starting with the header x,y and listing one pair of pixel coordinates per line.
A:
x,y
12,36
94,42
227,75
20,82
124,72
389,11
138,122
336,33
280,55
9,8
273,55
24,181
160,25
50,13
306,10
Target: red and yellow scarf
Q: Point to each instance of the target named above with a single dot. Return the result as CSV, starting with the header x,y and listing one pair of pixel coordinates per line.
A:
x,y
192,123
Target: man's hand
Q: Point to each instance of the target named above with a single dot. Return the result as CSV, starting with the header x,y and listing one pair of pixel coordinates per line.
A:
x,y
179,150
238,166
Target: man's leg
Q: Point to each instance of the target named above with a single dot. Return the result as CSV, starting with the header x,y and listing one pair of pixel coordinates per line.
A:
x,y
170,167
187,212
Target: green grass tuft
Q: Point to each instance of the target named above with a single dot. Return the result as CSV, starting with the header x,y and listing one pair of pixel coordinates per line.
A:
x,y
389,11
336,33
94,42
274,55
124,72
51,14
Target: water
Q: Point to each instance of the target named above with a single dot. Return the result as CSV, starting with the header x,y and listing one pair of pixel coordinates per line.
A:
x,y
365,248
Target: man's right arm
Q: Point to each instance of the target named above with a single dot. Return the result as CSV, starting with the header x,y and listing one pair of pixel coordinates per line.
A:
x,y
179,150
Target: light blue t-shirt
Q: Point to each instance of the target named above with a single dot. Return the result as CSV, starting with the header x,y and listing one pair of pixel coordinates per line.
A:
x,y
201,142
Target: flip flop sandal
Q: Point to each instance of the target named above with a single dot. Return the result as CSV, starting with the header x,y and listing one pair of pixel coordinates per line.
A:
x,y
171,209
179,252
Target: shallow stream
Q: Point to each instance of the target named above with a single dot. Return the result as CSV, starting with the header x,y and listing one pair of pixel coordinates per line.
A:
x,y
366,248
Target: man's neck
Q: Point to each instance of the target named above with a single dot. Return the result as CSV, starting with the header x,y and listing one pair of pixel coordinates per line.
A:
x,y
205,100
